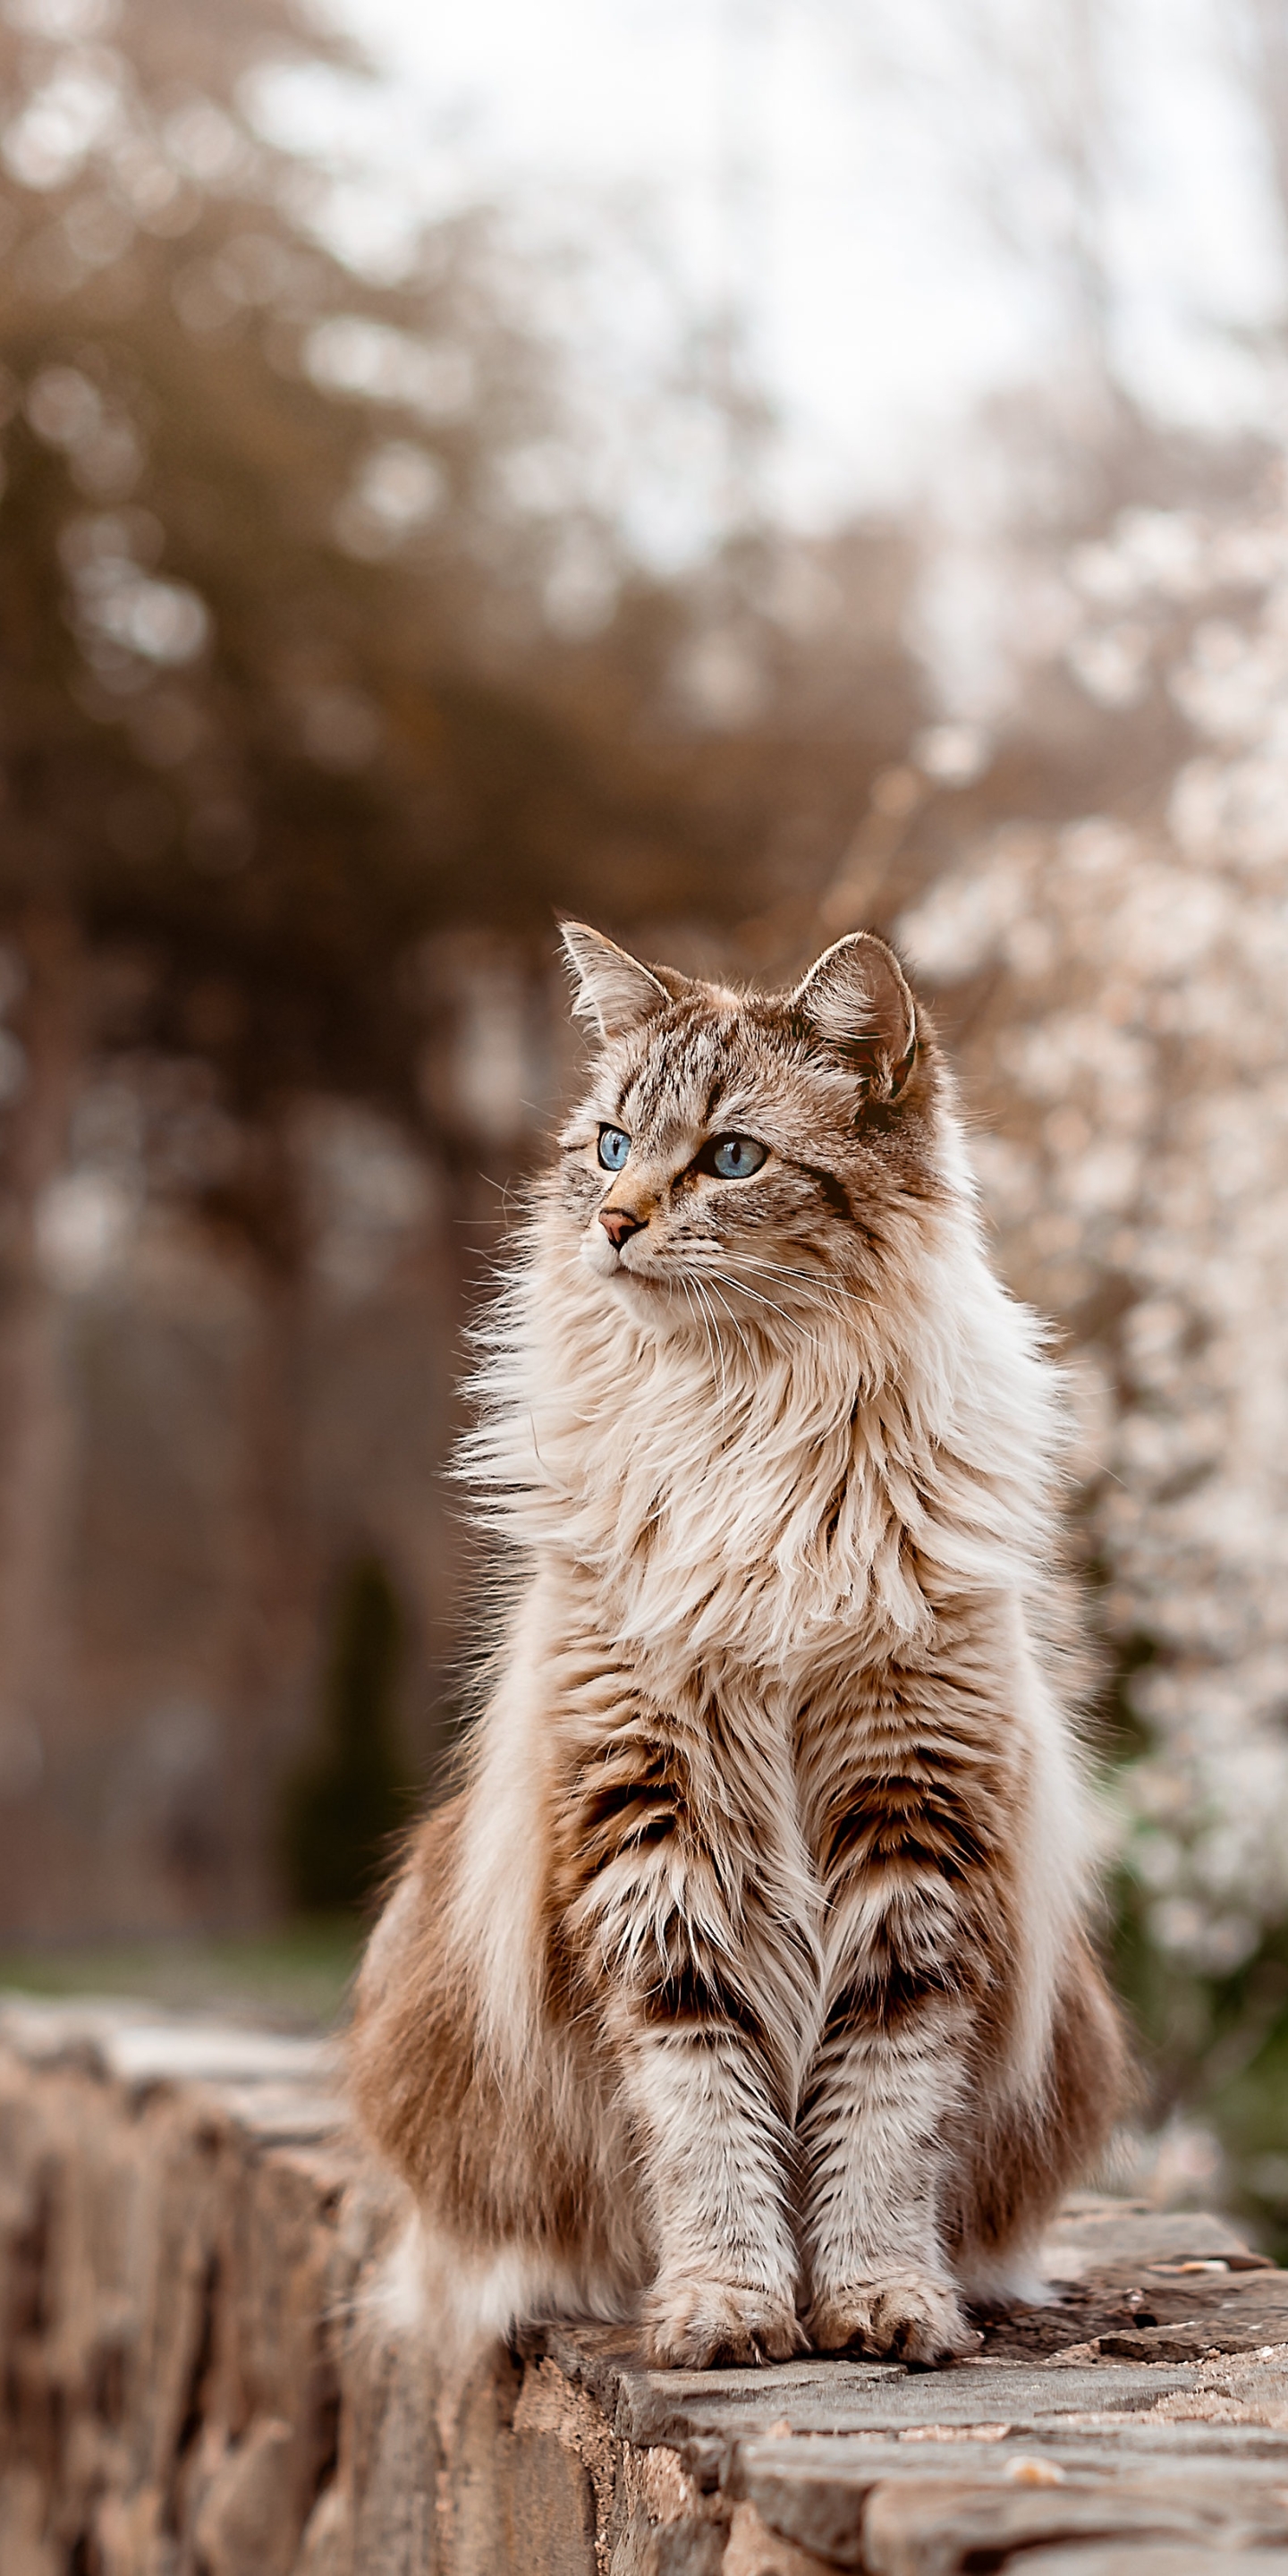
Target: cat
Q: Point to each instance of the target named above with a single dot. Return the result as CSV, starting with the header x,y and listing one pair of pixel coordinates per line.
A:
x,y
745,1988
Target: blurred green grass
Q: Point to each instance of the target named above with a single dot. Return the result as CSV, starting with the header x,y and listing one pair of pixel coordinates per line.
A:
x,y
1215,2051
293,1978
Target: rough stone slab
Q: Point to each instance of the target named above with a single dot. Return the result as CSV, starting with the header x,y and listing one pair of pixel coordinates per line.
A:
x,y
1176,2343
198,2376
1127,2297
1136,2559
727,2406
936,2527
677,2406
1095,2233
141,2045
813,2491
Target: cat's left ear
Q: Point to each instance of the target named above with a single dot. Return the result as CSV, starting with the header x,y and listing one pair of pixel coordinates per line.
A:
x,y
612,988
857,1000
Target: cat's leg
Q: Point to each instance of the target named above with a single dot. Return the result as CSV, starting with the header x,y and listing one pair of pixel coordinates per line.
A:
x,y
913,1828
695,1979
874,2131
726,2285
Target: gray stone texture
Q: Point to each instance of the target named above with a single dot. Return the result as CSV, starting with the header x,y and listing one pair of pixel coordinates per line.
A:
x,y
199,2377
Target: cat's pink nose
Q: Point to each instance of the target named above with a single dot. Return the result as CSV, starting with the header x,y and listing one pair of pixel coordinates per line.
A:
x,y
619,1225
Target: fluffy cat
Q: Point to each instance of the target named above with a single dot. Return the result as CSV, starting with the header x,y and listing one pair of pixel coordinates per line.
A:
x,y
745,1987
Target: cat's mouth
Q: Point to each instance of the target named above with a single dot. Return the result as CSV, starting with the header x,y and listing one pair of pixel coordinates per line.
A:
x,y
626,1262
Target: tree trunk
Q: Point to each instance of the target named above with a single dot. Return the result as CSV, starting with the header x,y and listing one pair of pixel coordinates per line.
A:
x,y
279,1575
36,1430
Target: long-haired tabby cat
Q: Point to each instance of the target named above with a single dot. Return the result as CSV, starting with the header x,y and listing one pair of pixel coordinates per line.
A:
x,y
745,1986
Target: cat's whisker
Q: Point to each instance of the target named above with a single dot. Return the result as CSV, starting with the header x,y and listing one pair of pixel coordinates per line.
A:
x,y
813,1278
690,1303
697,1306
827,1293
730,1281
715,1327
694,1251
733,1319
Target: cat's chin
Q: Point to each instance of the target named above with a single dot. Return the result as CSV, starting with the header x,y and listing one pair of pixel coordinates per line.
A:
x,y
641,1292
601,1257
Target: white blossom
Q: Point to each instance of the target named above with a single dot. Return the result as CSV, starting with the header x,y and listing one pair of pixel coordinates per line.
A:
x,y
1136,1071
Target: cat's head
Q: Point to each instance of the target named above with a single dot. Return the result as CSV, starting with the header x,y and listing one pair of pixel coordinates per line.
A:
x,y
751,1151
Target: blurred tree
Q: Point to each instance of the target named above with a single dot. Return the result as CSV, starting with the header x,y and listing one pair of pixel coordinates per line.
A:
x,y
313,655
309,643
342,1813
223,732
45,981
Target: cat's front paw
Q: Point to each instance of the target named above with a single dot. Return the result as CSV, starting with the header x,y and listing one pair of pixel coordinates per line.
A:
x,y
910,2315
695,2324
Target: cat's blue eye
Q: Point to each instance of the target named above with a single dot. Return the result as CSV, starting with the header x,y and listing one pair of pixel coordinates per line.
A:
x,y
614,1146
735,1158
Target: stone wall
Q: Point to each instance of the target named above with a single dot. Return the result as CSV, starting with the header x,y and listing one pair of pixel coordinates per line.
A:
x,y
196,2381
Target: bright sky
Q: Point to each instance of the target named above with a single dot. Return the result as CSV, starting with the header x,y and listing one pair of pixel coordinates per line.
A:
x,y
832,163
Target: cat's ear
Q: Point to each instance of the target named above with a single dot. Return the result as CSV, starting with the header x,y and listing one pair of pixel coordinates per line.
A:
x,y
857,1000
610,987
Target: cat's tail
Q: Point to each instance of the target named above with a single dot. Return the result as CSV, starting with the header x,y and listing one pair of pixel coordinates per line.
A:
x,y
1023,2156
458,2304
430,2291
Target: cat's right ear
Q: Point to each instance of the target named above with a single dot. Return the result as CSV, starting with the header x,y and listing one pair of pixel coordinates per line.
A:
x,y
610,987
856,998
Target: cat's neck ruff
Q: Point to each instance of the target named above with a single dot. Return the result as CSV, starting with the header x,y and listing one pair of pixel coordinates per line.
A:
x,y
783,1492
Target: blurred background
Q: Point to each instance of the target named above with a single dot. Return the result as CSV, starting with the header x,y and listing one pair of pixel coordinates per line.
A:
x,y
736,470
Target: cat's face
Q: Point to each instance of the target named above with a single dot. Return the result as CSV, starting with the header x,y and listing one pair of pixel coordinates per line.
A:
x,y
747,1152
